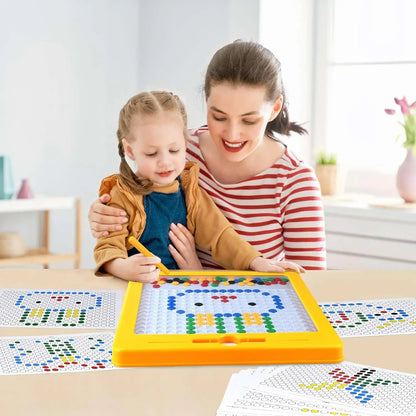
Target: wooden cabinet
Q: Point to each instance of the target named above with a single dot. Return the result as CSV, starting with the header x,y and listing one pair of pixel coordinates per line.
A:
x,y
43,254
370,235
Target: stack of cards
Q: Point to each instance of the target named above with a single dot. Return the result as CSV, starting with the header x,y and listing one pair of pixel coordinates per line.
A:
x,y
345,389
52,308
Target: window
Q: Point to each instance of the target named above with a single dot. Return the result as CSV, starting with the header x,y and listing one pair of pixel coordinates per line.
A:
x,y
365,56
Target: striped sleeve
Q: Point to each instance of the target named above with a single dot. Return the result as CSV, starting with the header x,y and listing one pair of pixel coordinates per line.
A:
x,y
278,211
303,219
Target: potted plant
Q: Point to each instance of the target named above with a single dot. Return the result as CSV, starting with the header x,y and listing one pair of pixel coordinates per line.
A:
x,y
406,174
327,172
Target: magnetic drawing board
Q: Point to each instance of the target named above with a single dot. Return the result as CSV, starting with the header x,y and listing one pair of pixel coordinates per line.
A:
x,y
223,317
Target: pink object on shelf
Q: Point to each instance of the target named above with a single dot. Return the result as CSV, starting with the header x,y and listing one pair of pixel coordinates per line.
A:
x,y
406,178
25,191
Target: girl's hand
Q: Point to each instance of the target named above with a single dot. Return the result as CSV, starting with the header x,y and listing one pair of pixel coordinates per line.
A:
x,y
138,268
183,248
104,219
260,264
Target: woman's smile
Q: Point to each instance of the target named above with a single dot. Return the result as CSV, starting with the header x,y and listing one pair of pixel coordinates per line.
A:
x,y
233,146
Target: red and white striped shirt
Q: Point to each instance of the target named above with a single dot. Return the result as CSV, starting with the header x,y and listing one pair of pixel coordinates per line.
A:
x,y
279,211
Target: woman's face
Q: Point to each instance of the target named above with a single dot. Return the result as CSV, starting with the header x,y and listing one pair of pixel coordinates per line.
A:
x,y
237,119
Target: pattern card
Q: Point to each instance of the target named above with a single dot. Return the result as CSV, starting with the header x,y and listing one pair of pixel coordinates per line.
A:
x,y
372,317
242,398
56,353
366,388
60,308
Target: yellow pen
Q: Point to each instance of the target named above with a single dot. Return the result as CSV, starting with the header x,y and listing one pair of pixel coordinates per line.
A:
x,y
133,241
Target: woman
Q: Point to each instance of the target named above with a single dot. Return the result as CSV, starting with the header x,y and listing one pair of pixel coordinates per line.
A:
x,y
270,197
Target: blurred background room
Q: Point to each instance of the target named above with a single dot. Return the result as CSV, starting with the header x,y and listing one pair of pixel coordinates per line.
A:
x,y
68,66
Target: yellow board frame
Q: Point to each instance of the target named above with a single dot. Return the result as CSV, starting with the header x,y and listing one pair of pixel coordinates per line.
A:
x,y
145,350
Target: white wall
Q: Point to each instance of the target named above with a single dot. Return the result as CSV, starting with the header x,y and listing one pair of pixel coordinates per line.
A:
x,y
66,67
287,30
178,39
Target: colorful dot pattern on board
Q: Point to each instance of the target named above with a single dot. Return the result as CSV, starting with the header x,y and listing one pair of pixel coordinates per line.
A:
x,y
216,305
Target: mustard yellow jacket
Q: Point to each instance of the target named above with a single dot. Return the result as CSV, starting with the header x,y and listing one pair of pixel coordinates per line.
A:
x,y
211,230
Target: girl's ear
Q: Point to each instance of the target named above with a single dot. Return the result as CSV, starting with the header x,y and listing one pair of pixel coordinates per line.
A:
x,y
278,104
128,150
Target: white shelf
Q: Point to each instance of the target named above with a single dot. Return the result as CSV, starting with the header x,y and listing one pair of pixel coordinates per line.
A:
x,y
45,204
40,203
391,209
368,232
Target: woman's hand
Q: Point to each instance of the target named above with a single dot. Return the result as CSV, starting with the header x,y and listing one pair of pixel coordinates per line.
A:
x,y
104,219
182,248
260,264
138,268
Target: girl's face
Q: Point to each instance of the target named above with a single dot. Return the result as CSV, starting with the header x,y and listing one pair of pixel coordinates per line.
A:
x,y
237,118
158,147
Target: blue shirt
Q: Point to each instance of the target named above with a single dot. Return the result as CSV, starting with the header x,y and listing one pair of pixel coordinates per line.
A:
x,y
161,210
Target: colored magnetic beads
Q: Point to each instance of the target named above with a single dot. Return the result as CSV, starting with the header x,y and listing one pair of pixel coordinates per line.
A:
x,y
219,280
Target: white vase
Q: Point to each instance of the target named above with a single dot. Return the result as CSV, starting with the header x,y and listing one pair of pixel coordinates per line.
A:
x,y
406,178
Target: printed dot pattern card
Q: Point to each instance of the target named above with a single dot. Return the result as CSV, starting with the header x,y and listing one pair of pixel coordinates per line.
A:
x,y
372,317
366,388
60,308
244,397
56,353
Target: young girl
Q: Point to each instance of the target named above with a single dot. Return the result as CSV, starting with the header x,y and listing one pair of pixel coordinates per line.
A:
x,y
164,190
271,198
